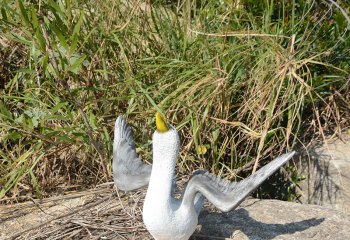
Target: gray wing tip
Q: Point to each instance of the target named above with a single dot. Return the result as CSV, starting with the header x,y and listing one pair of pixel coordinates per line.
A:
x,y
129,172
224,185
122,130
291,154
198,172
227,195
119,121
285,157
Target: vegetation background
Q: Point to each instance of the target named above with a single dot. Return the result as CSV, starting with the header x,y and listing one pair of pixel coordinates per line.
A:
x,y
242,80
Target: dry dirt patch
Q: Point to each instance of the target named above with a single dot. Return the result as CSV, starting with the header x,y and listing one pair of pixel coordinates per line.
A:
x,y
100,213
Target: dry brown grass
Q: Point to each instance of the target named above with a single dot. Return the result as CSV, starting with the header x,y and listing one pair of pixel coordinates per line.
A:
x,y
247,98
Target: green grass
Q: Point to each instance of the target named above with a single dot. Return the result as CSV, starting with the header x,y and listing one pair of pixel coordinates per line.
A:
x,y
244,80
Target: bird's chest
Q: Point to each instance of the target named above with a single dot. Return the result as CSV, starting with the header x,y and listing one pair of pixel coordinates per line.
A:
x,y
165,223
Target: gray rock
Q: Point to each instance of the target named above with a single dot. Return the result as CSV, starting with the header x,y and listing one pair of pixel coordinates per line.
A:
x,y
327,174
272,219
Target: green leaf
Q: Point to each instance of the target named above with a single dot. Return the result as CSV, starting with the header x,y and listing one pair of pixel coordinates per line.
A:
x,y
55,7
17,37
3,13
29,123
65,139
35,183
13,136
270,134
59,12
107,136
5,112
35,122
25,70
45,61
59,35
58,107
56,117
15,174
69,10
75,64
40,40
74,44
34,18
195,128
77,26
24,13
20,119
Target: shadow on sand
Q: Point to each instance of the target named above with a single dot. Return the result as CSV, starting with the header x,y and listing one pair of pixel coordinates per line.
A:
x,y
223,225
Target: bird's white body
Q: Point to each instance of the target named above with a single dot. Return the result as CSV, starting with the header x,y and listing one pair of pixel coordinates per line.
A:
x,y
164,216
167,220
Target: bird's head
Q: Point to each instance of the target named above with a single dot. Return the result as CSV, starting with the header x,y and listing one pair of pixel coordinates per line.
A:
x,y
166,140
161,123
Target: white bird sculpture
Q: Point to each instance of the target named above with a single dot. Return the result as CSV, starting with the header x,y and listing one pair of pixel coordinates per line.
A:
x,y
166,217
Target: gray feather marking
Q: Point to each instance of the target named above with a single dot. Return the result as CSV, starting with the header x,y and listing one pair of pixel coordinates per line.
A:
x,y
222,185
227,195
129,172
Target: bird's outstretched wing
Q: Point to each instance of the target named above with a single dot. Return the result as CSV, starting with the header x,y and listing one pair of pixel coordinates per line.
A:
x,y
129,172
226,195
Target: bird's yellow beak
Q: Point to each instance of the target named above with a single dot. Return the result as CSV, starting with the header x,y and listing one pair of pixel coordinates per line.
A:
x,y
161,124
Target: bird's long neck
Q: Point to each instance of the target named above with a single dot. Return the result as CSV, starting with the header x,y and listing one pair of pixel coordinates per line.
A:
x,y
165,154
162,175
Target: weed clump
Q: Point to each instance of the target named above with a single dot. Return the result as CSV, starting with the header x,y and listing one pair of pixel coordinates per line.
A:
x,y
243,81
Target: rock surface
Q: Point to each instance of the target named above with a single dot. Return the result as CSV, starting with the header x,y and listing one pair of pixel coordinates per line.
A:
x,y
327,174
272,219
